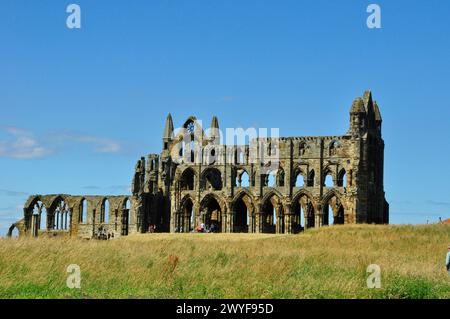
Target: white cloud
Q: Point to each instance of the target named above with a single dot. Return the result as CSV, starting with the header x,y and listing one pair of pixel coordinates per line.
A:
x,y
100,144
21,144
91,187
13,193
438,203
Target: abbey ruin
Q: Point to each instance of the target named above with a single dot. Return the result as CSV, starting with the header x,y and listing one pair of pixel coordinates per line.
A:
x,y
266,185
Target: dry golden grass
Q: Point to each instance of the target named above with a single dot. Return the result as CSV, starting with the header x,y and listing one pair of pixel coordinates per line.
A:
x,y
323,263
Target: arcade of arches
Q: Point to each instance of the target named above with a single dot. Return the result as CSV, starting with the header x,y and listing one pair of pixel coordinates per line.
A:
x,y
79,216
245,214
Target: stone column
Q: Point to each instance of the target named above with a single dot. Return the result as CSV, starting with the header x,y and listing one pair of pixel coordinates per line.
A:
x,y
279,217
225,223
288,219
280,222
319,218
197,216
35,225
179,221
230,222
186,222
252,222
76,211
260,222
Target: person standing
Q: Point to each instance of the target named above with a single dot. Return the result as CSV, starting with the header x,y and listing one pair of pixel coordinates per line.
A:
x,y
447,260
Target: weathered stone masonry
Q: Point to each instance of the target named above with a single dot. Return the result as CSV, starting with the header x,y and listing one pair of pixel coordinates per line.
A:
x,y
270,185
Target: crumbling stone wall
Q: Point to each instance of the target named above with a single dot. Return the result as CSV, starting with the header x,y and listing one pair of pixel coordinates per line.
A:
x,y
197,180
61,215
203,185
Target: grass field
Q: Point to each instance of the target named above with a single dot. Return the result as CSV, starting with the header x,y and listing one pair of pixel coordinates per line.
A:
x,y
320,263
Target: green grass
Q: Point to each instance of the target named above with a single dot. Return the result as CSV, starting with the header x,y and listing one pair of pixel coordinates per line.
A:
x,y
320,263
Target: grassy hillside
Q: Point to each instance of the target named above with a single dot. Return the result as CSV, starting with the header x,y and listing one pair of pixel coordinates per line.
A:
x,y
324,263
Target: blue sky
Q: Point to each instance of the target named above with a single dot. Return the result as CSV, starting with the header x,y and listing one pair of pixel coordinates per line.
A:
x,y
79,107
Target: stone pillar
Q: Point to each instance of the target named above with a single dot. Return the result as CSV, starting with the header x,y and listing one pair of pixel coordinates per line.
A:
x,y
186,222
230,223
279,217
76,211
288,219
289,229
197,215
173,221
91,215
259,221
35,225
252,222
135,216
280,223
178,221
319,219
72,221
225,223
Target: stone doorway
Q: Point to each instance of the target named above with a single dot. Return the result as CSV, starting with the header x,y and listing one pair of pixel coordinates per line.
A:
x,y
211,214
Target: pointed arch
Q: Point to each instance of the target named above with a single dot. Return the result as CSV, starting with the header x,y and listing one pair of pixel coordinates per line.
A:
x,y
304,211
126,209
211,179
60,215
13,231
333,209
333,148
273,213
274,178
212,209
105,211
83,217
31,202
327,178
271,193
185,199
39,215
187,216
342,178
242,178
242,193
244,213
188,179
302,193
269,179
299,179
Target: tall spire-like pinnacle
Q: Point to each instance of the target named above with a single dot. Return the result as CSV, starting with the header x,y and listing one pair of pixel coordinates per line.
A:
x,y
215,123
377,112
214,130
358,117
358,106
368,100
168,130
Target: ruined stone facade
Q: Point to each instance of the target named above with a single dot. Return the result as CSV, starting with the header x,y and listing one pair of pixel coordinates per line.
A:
x,y
270,185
